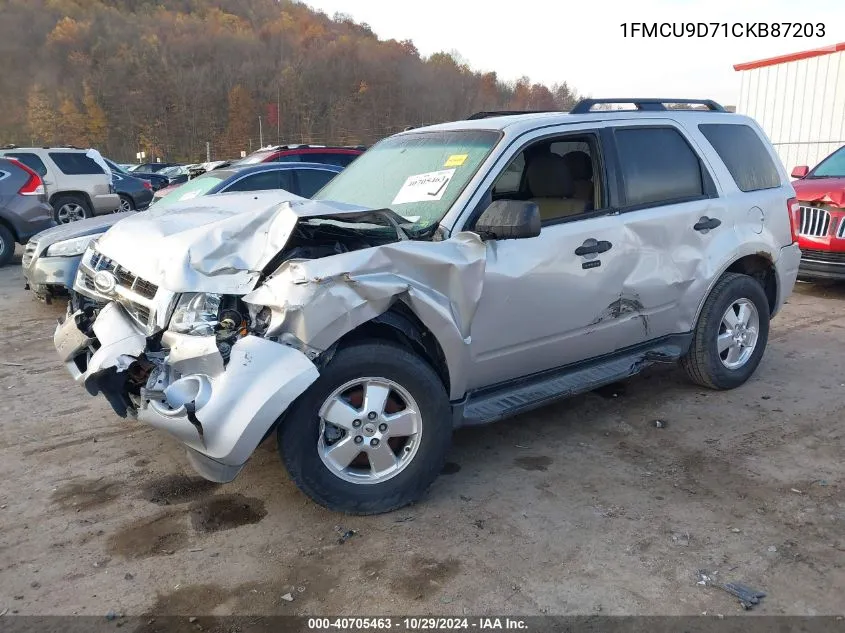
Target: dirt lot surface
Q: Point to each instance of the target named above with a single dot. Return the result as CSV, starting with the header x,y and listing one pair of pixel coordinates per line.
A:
x,y
583,507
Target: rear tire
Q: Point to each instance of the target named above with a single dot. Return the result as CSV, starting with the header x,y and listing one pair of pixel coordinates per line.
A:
x,y
353,379
67,209
7,245
731,334
126,204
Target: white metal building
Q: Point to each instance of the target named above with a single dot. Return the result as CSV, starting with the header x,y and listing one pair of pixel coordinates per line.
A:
x,y
799,100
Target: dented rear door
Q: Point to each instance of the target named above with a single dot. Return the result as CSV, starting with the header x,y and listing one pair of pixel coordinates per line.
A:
x,y
671,214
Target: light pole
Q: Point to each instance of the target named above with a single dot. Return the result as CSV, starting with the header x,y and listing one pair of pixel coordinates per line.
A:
x,y
260,134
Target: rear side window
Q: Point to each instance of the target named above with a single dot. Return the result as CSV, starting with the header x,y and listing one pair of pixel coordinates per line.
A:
x,y
312,180
744,154
75,164
256,182
4,174
30,160
658,166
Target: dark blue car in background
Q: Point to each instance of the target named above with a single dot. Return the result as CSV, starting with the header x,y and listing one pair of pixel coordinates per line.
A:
x,y
303,179
52,257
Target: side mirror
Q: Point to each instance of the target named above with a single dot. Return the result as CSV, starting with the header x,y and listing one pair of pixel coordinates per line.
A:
x,y
800,171
509,220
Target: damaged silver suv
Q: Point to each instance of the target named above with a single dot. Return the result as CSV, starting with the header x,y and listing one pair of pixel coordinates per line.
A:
x,y
452,275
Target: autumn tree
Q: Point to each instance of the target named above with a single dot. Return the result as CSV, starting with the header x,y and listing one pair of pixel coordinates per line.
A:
x,y
72,127
241,121
168,76
96,123
41,119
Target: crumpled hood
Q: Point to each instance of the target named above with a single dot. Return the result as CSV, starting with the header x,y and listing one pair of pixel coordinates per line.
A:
x,y
822,190
217,243
81,228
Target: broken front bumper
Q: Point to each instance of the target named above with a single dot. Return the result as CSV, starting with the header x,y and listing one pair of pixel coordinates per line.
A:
x,y
220,411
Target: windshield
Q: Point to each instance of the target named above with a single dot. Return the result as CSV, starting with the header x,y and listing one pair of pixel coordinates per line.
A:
x,y
199,186
417,176
172,171
832,166
114,167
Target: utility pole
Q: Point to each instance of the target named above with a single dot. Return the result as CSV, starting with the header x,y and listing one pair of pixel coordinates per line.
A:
x,y
260,134
279,115
207,152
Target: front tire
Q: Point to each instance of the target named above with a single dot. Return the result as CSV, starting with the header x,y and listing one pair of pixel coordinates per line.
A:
x,y
731,335
371,434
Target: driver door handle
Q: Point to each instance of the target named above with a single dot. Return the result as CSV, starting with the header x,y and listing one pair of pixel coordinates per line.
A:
x,y
705,224
591,246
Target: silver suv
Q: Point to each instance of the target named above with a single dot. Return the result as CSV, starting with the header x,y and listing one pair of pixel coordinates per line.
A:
x,y
77,186
453,275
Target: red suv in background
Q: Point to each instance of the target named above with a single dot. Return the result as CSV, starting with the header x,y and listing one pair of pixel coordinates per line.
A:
x,y
340,156
820,219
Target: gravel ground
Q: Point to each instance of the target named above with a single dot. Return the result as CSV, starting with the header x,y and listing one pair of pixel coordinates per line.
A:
x,y
583,507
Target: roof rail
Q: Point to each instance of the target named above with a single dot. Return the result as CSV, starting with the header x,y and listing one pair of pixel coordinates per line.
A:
x,y
487,115
651,104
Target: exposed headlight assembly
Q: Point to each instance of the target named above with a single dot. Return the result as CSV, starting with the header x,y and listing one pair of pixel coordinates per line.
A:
x,y
72,247
196,313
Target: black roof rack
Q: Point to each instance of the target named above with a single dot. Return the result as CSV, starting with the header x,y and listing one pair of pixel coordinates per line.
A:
x,y
487,115
651,104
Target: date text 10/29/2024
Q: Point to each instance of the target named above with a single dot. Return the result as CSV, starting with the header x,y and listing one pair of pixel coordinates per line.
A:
x,y
421,623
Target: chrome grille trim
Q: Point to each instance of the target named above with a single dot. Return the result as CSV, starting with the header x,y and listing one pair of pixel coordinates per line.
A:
x,y
125,278
814,222
840,233
146,303
29,252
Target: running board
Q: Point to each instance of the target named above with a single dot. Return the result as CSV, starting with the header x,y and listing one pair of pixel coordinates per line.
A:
x,y
514,397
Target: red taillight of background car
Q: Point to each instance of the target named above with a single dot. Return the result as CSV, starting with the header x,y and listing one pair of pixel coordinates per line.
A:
x,y
794,210
147,184
34,186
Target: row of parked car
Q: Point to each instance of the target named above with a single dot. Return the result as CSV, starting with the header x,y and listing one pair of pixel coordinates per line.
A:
x,y
50,186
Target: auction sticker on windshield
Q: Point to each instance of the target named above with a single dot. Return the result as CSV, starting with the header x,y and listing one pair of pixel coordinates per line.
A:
x,y
422,187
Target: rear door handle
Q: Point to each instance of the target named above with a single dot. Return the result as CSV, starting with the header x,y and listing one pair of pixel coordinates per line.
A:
x,y
705,224
591,246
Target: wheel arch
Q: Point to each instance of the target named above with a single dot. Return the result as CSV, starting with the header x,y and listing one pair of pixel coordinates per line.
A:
x,y
11,228
760,266
78,194
401,325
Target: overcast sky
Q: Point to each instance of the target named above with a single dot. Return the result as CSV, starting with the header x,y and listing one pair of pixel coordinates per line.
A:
x,y
582,42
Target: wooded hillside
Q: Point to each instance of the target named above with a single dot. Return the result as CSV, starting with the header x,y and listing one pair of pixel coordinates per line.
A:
x,y
167,76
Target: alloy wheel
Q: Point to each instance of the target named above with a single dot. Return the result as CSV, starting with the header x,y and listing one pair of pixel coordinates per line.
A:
x,y
738,332
70,212
370,430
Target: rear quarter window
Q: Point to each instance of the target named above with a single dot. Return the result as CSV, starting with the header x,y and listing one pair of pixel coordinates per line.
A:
x,y
75,164
744,154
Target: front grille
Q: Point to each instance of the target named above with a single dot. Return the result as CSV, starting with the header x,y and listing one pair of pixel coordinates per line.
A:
x,y
29,254
814,222
139,297
828,257
840,233
124,277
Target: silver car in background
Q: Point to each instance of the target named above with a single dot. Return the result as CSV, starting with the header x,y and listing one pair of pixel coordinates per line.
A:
x,y
51,258
452,275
